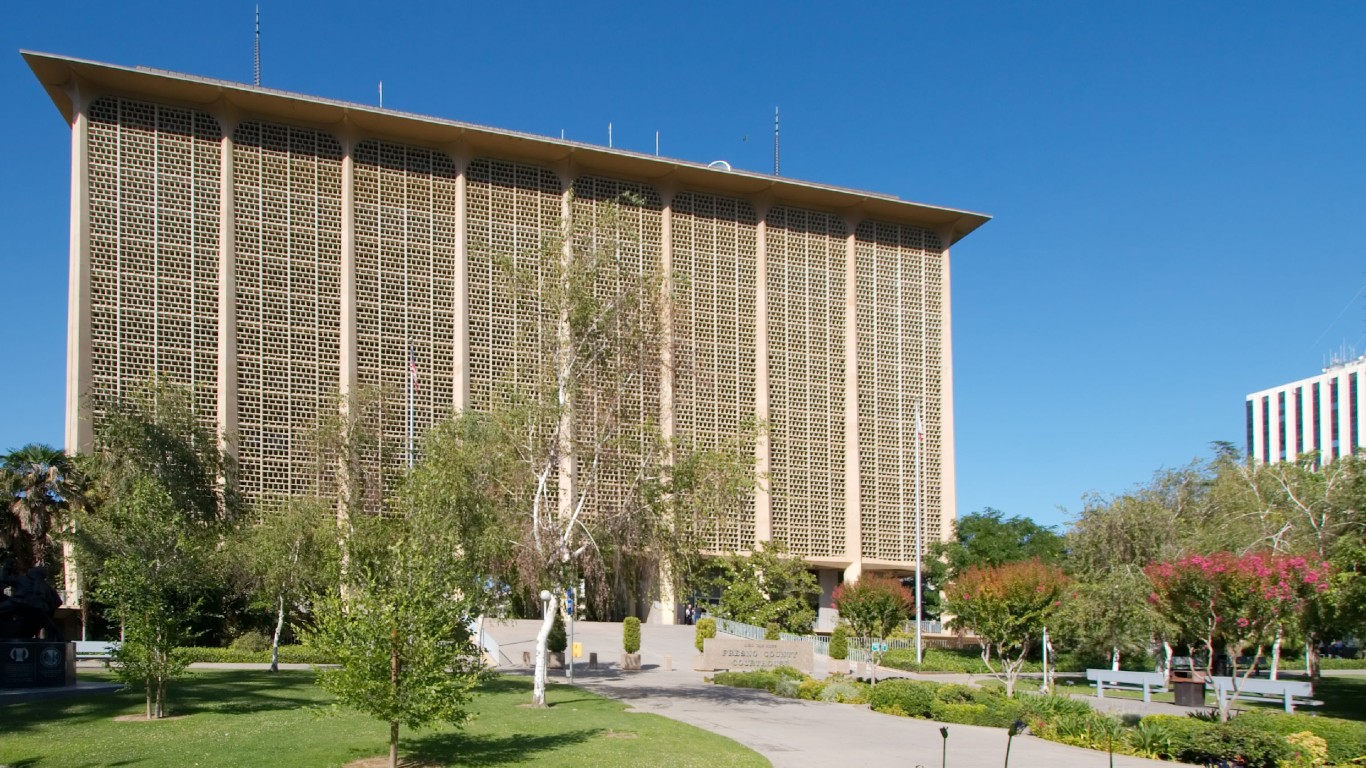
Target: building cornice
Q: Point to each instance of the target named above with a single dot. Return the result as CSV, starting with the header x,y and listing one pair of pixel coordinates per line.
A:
x,y
56,73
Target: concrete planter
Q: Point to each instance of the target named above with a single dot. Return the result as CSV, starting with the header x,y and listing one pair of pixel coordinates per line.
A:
x,y
699,664
630,662
555,660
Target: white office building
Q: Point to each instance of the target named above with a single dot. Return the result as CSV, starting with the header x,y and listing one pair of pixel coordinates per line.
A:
x,y
1321,413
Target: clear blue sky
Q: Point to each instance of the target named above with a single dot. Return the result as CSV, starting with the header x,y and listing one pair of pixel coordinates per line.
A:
x,y
1178,188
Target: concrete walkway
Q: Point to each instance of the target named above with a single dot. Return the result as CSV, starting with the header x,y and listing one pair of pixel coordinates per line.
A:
x,y
789,732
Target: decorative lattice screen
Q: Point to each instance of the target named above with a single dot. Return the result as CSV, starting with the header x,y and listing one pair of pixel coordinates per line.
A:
x,y
154,208
405,287
900,345
806,307
714,338
287,205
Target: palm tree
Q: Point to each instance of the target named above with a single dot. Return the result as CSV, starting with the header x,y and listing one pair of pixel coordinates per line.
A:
x,y
41,484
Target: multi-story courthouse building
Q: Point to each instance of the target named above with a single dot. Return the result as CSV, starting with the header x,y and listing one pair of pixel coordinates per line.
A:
x,y
273,252
1320,414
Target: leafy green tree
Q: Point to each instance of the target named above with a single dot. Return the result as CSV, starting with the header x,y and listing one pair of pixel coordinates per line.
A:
x,y
1110,615
874,606
402,636
988,538
158,511
156,565
42,485
1007,606
767,587
289,555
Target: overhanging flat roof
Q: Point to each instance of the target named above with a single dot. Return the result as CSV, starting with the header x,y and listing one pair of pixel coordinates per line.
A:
x,y
59,73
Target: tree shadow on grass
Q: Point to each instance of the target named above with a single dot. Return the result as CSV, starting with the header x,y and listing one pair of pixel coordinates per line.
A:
x,y
464,749
1343,697
237,692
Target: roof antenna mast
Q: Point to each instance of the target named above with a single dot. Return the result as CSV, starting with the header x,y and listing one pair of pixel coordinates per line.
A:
x,y
256,62
775,142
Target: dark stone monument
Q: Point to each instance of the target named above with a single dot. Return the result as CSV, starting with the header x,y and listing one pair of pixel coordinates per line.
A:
x,y
27,604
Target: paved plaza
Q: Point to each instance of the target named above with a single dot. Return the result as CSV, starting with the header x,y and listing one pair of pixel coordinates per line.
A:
x,y
789,732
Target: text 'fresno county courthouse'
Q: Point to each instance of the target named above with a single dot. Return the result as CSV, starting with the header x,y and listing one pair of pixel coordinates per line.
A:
x,y
272,251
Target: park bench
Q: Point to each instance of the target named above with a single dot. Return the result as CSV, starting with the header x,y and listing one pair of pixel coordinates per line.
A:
x,y
95,650
1291,692
1148,682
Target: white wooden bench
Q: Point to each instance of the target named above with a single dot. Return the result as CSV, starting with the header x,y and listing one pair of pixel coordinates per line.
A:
x,y
1291,692
1148,682
95,650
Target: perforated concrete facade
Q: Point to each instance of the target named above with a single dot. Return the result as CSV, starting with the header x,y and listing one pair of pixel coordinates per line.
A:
x,y
275,252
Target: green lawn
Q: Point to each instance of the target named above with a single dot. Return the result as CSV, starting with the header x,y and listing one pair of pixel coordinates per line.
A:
x,y
249,718
1343,697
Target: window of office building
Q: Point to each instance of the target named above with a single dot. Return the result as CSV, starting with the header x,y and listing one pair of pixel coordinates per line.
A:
x,y
1280,435
1352,399
1266,429
1335,448
1249,428
1299,420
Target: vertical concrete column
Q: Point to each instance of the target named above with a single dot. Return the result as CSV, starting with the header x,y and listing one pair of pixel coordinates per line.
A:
x,y
568,466
227,289
763,500
460,345
853,497
347,368
667,605
666,323
948,478
79,432
1344,413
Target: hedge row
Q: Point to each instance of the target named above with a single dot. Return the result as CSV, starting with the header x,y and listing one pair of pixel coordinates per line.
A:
x,y
289,654
1254,739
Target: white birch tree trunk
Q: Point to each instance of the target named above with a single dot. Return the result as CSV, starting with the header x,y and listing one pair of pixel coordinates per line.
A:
x,y
1114,658
538,686
1276,656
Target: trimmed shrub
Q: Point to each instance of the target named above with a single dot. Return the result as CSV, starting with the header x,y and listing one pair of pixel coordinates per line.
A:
x,y
289,654
773,632
630,635
251,641
787,688
909,697
843,693
839,643
557,641
705,628
1308,750
811,689
1199,741
1346,739
1000,714
762,679
954,693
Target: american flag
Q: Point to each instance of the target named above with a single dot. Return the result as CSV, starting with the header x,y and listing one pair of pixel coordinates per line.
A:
x,y
412,367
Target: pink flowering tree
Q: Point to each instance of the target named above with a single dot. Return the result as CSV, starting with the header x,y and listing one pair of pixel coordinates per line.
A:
x,y
1008,606
1240,602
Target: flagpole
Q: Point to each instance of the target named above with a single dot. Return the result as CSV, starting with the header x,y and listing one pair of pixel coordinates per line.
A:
x,y
919,436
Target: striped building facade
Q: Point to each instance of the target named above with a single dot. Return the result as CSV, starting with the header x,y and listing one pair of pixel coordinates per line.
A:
x,y
1320,414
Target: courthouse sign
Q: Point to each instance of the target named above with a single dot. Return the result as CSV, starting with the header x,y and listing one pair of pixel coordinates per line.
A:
x,y
735,655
